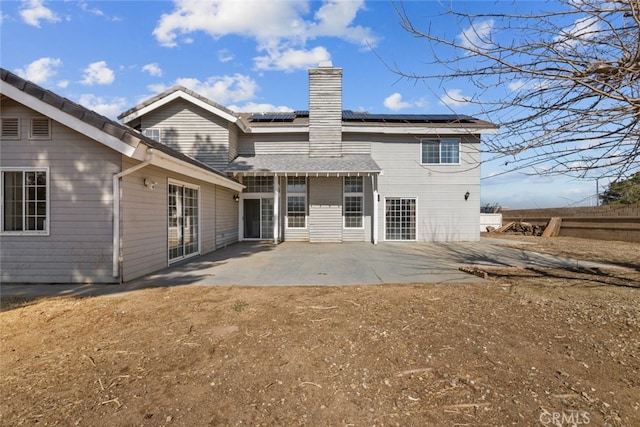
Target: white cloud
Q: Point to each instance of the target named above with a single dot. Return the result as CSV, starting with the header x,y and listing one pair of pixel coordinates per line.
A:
x,y
153,69
454,98
394,102
477,36
95,11
40,70
34,11
107,107
517,85
85,7
98,73
280,28
291,59
335,19
252,107
220,89
63,84
581,31
225,56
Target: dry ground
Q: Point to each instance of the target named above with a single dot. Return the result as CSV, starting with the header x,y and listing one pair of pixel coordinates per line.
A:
x,y
528,347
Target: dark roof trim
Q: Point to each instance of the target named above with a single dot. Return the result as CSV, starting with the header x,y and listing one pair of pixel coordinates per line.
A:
x,y
364,117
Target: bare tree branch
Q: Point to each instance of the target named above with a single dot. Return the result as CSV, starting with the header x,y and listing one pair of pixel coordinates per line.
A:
x,y
563,83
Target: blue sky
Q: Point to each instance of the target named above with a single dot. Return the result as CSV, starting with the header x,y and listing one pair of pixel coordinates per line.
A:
x,y
253,56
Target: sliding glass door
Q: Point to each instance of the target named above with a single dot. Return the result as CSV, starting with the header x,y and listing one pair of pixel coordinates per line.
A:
x,y
184,221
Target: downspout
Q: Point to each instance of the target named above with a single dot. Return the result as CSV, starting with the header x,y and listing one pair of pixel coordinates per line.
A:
x,y
376,197
117,255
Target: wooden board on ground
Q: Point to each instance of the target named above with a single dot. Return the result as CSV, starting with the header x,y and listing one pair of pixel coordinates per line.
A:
x,y
553,227
505,227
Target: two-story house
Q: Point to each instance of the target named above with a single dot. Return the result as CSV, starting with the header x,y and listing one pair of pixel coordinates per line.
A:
x,y
86,199
331,175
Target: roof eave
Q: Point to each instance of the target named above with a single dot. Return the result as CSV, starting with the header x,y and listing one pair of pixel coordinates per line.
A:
x,y
67,119
137,112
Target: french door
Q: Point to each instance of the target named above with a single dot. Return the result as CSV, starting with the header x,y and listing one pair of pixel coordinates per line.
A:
x,y
184,221
400,218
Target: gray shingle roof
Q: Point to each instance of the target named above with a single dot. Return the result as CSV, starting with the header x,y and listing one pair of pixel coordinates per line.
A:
x,y
124,133
302,163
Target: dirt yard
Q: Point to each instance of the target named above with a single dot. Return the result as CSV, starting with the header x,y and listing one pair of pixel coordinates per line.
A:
x,y
528,347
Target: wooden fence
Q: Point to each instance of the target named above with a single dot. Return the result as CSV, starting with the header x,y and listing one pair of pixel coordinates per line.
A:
x,y
618,222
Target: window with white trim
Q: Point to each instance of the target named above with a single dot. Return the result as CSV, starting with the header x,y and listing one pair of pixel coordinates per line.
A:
x,y
296,202
25,201
400,218
39,128
440,151
10,128
258,184
353,201
153,133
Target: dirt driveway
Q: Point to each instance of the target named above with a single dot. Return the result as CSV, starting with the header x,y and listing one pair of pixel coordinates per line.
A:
x,y
529,346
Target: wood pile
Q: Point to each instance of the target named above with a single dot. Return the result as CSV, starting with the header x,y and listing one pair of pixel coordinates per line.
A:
x,y
552,228
515,227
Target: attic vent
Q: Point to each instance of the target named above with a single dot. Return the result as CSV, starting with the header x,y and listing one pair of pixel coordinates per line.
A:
x,y
40,128
10,127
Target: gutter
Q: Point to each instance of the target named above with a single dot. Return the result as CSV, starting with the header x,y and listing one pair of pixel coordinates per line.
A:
x,y
117,254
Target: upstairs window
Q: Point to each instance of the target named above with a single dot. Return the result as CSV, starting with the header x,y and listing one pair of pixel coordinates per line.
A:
x,y
25,197
441,151
39,128
153,133
10,128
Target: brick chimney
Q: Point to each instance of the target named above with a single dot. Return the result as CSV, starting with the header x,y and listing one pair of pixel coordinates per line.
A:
x,y
325,111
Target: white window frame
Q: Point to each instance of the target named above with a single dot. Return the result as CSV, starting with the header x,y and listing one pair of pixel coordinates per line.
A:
x,y
302,194
415,199
153,130
439,141
10,137
47,222
31,127
184,185
346,194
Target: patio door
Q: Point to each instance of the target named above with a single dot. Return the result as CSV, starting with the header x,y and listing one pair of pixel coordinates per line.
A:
x,y
258,218
183,221
400,218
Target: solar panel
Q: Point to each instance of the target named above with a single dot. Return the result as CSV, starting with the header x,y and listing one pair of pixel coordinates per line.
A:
x,y
363,116
349,115
272,117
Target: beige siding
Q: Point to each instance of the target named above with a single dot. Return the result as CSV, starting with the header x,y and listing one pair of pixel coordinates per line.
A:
x,y
144,222
79,246
233,143
325,112
145,226
325,209
226,217
252,144
443,213
193,131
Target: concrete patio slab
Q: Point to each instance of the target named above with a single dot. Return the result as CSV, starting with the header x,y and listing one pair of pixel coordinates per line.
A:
x,y
305,264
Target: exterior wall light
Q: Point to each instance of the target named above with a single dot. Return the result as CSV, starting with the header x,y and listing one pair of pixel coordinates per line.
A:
x,y
149,183
236,197
466,195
